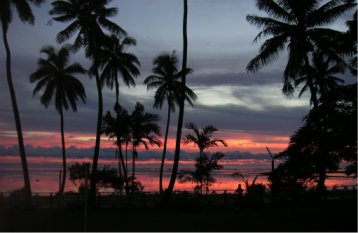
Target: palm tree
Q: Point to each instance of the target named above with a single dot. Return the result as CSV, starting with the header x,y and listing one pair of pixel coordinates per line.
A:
x,y
321,73
144,131
202,173
181,107
114,59
166,79
297,27
55,80
88,18
25,14
202,138
118,127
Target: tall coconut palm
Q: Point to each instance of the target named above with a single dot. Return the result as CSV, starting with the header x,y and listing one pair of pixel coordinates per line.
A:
x,y
202,138
114,60
144,131
166,79
55,81
321,72
25,14
88,19
181,106
299,28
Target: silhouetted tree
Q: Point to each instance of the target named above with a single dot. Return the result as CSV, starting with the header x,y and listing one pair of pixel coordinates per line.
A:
x,y
181,107
107,177
350,42
327,136
88,19
252,189
55,80
202,138
114,60
144,131
166,79
118,127
78,175
202,173
6,15
297,26
321,72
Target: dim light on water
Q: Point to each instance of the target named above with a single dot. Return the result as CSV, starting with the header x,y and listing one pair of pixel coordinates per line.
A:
x,y
45,174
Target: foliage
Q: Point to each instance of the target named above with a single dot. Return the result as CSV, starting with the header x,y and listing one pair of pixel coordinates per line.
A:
x,y
135,185
166,78
78,174
298,27
322,74
202,173
107,176
203,138
23,9
253,189
139,128
144,127
88,19
55,78
327,137
349,43
114,60
117,126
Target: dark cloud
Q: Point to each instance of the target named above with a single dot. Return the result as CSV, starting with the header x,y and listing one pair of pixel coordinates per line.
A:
x,y
220,46
108,153
237,79
276,120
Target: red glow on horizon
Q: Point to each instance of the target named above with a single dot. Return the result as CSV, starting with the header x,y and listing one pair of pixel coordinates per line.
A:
x,y
236,140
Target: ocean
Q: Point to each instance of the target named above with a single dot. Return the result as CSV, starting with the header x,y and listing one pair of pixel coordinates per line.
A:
x,y
45,174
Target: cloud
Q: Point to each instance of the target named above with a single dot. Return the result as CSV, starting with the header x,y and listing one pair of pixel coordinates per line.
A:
x,y
220,46
108,153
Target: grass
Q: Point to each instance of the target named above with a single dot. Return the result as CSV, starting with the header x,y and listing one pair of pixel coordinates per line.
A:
x,y
329,216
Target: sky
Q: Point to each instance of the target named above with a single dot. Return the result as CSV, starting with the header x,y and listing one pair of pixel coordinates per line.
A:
x,y
249,110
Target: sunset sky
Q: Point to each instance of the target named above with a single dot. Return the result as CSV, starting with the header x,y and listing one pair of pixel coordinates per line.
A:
x,y
249,109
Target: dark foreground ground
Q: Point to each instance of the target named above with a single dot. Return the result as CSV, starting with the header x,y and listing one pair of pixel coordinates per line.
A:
x,y
337,216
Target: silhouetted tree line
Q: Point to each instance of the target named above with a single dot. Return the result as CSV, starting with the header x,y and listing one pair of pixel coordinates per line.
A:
x,y
315,55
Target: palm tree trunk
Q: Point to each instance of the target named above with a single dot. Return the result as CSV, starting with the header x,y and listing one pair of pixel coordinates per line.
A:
x,y
120,173
164,152
311,85
25,170
321,179
126,155
201,165
98,136
181,107
125,171
63,182
133,161
117,92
